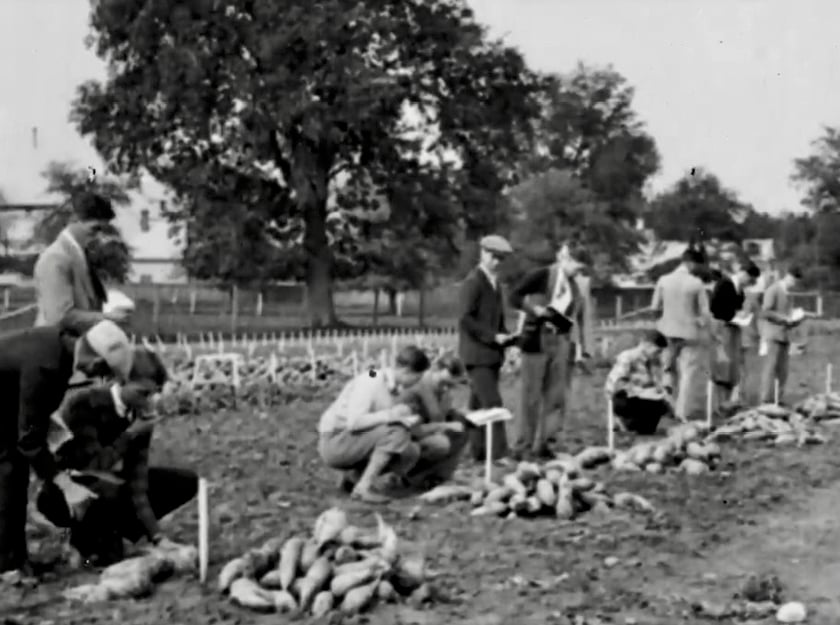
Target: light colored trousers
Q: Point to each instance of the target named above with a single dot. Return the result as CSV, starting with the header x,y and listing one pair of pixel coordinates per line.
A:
x,y
687,369
774,366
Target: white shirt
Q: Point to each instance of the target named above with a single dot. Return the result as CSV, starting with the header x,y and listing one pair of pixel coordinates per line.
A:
x,y
119,404
363,395
493,280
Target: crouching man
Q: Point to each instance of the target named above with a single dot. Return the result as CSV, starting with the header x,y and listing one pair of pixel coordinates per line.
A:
x,y
367,431
102,435
441,433
635,385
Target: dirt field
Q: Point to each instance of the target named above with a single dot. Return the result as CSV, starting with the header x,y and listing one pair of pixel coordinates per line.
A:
x,y
764,511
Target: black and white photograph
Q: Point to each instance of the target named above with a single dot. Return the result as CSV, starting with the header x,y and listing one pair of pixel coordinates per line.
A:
x,y
481,312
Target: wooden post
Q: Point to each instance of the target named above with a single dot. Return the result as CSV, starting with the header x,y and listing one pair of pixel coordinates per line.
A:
x,y
376,306
234,309
421,304
819,310
156,308
259,304
7,298
193,298
618,306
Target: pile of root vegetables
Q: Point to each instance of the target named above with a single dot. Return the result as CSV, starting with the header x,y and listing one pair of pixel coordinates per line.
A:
x,y
683,449
820,408
340,567
556,489
136,577
778,425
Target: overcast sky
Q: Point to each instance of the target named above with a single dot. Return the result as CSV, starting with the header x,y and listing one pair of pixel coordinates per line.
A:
x,y
738,86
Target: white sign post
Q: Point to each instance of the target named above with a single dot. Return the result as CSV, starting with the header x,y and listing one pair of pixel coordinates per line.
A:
x,y
487,417
203,531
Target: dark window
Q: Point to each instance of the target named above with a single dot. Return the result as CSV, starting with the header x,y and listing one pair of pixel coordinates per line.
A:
x,y
144,220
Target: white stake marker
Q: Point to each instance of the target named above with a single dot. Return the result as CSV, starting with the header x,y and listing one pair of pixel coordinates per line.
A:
x,y
203,531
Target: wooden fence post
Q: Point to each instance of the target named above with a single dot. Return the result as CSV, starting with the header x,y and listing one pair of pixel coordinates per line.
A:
x,y
819,310
7,298
619,305
259,304
234,309
156,308
193,298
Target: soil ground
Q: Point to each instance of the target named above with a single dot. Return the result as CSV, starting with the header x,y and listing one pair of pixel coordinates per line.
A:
x,y
763,511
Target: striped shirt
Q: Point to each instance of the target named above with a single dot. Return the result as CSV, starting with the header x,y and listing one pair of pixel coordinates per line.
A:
x,y
368,393
632,372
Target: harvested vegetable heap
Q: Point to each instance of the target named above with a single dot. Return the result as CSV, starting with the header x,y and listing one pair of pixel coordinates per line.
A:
x,y
136,577
683,449
555,489
781,425
340,567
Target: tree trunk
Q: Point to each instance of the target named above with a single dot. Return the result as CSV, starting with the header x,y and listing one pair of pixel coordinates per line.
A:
x,y
392,301
310,182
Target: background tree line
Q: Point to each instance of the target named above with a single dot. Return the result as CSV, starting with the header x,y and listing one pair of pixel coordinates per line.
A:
x,y
373,143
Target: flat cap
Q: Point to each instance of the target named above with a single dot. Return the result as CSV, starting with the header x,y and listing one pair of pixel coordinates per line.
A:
x,y
496,243
110,343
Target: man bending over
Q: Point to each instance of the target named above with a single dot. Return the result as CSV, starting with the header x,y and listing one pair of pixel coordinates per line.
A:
x,y
635,387
366,431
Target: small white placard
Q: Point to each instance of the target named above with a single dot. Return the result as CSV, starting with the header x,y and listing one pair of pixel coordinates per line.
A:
x,y
488,415
117,301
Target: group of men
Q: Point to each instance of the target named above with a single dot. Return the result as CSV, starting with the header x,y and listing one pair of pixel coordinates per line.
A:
x,y
78,410
397,428
709,321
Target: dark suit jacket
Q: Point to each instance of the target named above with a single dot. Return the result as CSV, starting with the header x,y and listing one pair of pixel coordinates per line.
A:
x,y
105,442
481,318
536,285
726,300
68,292
35,366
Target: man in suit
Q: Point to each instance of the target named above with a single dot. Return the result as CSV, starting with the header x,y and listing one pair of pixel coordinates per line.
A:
x,y
482,338
36,365
549,352
681,299
775,327
109,435
68,291
727,300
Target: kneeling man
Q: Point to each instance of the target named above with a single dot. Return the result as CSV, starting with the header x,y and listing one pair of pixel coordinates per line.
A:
x,y
366,431
635,385
441,433
112,493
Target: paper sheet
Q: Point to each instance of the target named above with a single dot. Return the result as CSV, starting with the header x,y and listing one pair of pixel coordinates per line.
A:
x,y
743,320
797,314
117,301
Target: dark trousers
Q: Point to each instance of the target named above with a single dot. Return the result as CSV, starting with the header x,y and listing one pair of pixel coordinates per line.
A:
x,y
112,516
484,393
14,485
639,415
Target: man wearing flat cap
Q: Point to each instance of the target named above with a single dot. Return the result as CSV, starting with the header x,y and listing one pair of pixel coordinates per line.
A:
x,y
482,338
36,365
68,290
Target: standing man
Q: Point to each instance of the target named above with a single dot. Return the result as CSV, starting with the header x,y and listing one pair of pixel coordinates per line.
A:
x,y
727,300
482,338
681,298
68,291
35,367
550,345
775,328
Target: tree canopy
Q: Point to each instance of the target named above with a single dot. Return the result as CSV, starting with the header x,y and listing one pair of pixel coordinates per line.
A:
x,y
819,173
259,108
697,208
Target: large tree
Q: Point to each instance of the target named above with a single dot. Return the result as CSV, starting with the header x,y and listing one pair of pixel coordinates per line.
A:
x,y
588,126
819,173
284,97
698,207
556,207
